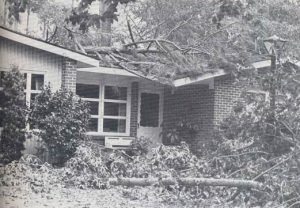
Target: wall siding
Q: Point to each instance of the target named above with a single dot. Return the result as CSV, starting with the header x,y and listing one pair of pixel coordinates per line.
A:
x,y
31,60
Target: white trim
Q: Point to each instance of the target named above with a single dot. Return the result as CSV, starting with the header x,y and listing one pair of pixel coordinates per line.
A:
x,y
202,77
220,72
267,63
47,47
262,64
258,91
28,91
116,117
93,133
107,70
100,117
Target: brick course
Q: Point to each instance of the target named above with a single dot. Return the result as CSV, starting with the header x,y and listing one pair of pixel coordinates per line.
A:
x,y
201,106
226,93
69,74
193,103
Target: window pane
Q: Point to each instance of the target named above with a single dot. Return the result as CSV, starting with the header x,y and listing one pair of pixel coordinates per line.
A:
x,y
93,124
114,125
1,78
114,109
1,118
37,81
25,81
149,110
115,93
3,99
87,91
32,99
94,107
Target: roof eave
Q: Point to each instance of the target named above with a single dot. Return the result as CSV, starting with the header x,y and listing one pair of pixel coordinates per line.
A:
x,y
39,44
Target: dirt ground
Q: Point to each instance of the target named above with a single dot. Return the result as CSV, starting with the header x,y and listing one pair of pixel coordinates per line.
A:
x,y
18,197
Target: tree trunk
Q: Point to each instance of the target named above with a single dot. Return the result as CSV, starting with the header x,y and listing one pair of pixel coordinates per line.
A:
x,y
185,182
28,16
273,87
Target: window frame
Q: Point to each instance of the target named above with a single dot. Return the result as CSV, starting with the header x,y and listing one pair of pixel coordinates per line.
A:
x,y
101,100
28,91
159,109
259,92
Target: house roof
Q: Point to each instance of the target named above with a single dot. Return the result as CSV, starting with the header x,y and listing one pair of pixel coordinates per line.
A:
x,y
103,62
45,46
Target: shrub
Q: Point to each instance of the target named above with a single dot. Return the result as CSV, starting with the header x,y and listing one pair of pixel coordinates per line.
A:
x,y
141,146
182,132
87,169
253,146
62,119
13,115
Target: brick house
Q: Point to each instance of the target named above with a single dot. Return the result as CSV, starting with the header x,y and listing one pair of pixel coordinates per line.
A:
x,y
123,105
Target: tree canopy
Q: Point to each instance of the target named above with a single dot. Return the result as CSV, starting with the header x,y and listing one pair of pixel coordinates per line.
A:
x,y
170,39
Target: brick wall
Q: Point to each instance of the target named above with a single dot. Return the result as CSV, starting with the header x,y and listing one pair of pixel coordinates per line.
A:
x,y
134,108
201,106
193,103
226,93
69,74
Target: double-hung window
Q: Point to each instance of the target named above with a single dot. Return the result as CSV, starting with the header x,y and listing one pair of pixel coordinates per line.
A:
x,y
109,105
34,83
33,86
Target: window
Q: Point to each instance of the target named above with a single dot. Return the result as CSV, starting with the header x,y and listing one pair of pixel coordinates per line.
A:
x,y
108,106
149,110
33,86
262,95
115,104
2,98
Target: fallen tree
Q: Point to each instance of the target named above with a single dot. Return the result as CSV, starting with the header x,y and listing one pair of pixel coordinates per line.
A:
x,y
185,182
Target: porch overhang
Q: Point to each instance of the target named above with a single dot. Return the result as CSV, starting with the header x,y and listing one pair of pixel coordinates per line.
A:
x,y
107,70
206,78
200,78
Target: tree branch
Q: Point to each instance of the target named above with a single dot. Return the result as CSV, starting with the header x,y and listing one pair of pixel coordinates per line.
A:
x,y
52,36
221,30
130,33
273,167
178,26
185,182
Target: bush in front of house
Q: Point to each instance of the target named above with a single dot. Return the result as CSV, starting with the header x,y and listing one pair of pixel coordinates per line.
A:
x,y
13,116
61,118
87,169
141,146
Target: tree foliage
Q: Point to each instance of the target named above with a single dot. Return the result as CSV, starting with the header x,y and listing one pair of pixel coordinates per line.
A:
x,y
61,118
229,32
79,16
13,115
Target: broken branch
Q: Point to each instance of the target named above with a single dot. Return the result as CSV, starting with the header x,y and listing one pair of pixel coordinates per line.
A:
x,y
185,182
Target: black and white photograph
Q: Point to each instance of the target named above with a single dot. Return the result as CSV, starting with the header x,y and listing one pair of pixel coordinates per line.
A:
x,y
149,103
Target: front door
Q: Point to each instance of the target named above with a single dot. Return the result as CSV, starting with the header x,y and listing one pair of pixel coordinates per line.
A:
x,y
150,115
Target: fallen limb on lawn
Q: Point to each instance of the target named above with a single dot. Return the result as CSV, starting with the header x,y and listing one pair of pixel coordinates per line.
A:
x,y
185,181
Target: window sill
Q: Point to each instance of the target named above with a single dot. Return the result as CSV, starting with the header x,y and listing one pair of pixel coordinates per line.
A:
x,y
106,134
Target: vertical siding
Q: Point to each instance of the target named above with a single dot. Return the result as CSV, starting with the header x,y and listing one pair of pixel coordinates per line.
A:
x,y
32,60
